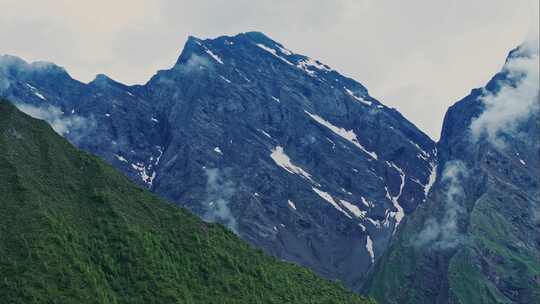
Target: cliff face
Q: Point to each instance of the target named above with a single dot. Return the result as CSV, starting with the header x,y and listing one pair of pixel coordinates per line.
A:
x,y
477,238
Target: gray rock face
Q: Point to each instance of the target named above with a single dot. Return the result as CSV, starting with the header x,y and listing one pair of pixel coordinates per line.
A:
x,y
477,237
294,157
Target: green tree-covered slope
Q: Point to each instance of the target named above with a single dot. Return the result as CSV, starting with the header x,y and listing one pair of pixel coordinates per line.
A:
x,y
73,230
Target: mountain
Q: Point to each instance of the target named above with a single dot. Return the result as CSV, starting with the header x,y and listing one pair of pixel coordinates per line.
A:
x,y
292,156
74,230
477,237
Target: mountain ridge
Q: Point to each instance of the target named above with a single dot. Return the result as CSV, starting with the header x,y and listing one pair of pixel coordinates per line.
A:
x,y
312,169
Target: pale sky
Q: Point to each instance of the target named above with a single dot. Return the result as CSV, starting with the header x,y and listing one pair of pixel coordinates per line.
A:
x,y
419,56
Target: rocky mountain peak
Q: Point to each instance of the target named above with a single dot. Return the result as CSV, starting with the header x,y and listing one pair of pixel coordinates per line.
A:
x,y
289,154
102,80
16,66
248,53
477,237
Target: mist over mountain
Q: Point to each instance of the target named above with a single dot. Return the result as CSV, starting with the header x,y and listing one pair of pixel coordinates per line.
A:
x,y
477,237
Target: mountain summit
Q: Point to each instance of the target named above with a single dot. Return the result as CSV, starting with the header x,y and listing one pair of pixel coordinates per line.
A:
x,y
292,156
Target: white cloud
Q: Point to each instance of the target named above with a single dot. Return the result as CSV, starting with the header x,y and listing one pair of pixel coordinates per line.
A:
x,y
72,127
444,233
514,101
4,85
195,63
220,191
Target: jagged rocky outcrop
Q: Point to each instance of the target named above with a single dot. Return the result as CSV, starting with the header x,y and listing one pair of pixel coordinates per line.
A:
x,y
288,153
477,237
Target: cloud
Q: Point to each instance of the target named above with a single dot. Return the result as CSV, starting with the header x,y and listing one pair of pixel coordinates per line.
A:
x,y
4,85
5,63
516,99
219,193
533,36
195,63
72,127
10,65
444,233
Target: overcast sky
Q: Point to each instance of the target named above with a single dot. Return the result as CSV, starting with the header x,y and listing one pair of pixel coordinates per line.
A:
x,y
419,56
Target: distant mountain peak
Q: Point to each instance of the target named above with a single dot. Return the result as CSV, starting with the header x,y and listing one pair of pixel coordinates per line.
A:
x,y
198,46
254,50
103,80
10,64
258,37
10,60
195,47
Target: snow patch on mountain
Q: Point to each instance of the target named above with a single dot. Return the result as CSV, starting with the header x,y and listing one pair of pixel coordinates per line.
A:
x,y
214,56
265,134
353,209
369,247
274,52
145,175
120,158
400,213
38,94
291,204
308,64
367,203
35,91
284,50
327,197
348,135
225,79
360,99
432,178
282,160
